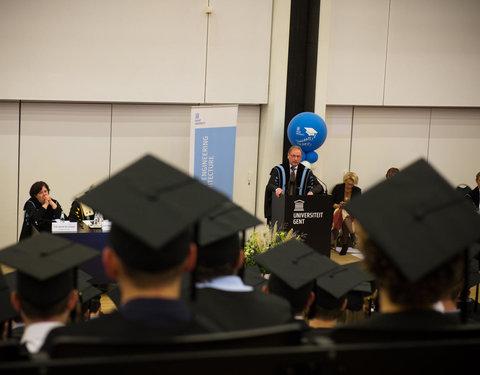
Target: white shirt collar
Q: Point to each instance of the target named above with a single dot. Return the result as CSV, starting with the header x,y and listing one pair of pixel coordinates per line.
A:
x,y
35,334
229,283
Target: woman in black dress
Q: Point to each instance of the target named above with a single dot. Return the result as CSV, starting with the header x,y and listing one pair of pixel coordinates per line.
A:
x,y
40,210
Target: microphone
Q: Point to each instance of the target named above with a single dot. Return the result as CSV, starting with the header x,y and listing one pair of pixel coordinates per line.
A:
x,y
325,191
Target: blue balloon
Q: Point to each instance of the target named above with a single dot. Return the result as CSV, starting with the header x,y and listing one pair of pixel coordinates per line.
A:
x,y
312,157
307,130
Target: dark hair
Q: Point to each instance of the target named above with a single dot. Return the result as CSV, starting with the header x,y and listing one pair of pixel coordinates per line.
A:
x,y
329,314
37,188
392,172
435,286
141,257
298,298
32,311
219,258
144,279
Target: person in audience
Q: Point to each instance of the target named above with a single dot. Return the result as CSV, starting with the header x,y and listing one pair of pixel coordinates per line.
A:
x,y
221,295
291,178
331,299
40,210
45,293
342,220
414,247
151,246
391,172
8,315
475,193
293,268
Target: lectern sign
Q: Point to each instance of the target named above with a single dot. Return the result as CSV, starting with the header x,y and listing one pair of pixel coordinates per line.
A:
x,y
309,215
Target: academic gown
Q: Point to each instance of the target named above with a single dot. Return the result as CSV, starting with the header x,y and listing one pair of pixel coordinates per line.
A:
x,y
232,311
147,318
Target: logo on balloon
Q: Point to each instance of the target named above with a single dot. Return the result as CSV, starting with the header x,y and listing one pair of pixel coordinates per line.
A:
x,y
309,131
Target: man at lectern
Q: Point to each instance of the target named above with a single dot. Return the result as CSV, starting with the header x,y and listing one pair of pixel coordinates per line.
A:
x,y
291,178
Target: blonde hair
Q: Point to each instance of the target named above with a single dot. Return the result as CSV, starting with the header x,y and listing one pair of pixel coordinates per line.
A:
x,y
350,176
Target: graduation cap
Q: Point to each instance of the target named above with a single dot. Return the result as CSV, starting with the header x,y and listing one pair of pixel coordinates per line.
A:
x,y
218,233
226,220
294,266
86,291
253,277
153,201
7,311
295,263
150,205
333,287
45,267
417,220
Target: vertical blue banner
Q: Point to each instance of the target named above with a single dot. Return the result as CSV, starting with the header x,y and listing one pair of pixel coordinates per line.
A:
x,y
214,157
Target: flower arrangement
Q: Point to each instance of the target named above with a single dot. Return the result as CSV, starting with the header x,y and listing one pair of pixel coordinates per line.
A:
x,y
261,241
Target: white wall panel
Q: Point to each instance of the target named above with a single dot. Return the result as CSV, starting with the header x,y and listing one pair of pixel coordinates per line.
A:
x,y
334,154
103,50
246,157
433,53
238,51
161,130
164,131
454,144
9,125
65,145
387,137
356,60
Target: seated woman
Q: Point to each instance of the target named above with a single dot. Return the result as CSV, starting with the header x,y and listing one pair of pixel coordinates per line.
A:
x,y
40,210
341,194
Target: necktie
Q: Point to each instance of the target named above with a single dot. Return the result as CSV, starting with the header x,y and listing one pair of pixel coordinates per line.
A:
x,y
292,183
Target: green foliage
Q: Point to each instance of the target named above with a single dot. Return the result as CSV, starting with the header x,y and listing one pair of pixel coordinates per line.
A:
x,y
259,242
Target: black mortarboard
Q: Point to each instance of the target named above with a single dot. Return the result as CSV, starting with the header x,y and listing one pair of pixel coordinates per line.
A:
x,y
86,291
295,263
224,221
153,201
417,220
7,311
339,281
218,234
45,267
253,277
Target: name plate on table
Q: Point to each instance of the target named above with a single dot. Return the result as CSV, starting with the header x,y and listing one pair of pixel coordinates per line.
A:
x,y
64,227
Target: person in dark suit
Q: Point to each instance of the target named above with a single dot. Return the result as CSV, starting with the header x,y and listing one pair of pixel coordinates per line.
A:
x,y
414,247
151,246
291,178
342,194
44,295
293,268
221,295
475,193
40,210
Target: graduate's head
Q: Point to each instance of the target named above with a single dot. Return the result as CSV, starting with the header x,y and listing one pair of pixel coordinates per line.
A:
x,y
413,229
152,230
145,266
219,244
293,268
45,283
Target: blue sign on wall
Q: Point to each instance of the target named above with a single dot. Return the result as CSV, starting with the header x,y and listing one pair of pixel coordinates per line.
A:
x,y
215,157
